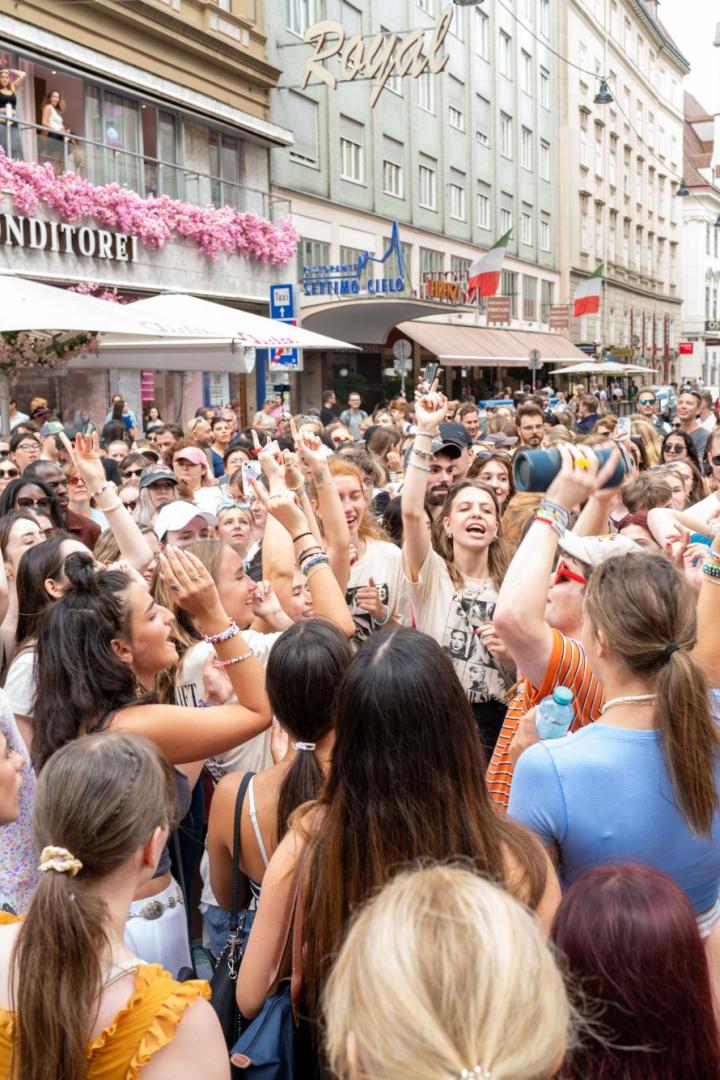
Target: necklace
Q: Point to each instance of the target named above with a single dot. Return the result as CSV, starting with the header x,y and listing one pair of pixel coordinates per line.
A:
x,y
634,699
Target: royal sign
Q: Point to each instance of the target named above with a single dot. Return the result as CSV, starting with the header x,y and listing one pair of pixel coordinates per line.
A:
x,y
380,58
33,233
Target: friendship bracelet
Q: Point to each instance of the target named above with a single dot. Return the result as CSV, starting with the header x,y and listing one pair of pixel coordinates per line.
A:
x,y
109,509
304,551
300,535
424,434
313,570
386,620
313,560
234,660
553,507
422,468
422,453
103,487
230,631
711,570
554,525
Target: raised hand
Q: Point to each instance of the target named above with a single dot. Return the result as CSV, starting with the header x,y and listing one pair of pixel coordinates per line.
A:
x,y
430,410
281,504
190,583
580,476
293,477
368,599
87,459
270,460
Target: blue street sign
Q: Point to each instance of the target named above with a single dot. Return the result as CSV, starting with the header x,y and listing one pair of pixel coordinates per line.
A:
x,y
282,302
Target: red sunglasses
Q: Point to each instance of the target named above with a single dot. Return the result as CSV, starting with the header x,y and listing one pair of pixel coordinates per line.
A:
x,y
564,573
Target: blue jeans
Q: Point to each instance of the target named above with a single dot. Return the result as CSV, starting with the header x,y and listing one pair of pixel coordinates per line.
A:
x,y
216,928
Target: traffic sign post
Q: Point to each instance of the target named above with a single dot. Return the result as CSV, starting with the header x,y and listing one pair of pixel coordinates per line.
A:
x,y
402,351
535,363
283,308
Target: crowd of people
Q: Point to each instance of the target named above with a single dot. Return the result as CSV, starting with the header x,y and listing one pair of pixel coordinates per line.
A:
x,y
302,666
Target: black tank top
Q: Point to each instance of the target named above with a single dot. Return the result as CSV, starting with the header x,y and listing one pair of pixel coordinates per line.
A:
x,y
8,99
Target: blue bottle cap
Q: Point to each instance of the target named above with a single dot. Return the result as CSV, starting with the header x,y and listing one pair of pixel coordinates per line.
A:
x,y
563,695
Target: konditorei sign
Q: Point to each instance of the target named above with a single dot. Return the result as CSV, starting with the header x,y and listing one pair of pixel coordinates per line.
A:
x,y
384,56
352,279
58,236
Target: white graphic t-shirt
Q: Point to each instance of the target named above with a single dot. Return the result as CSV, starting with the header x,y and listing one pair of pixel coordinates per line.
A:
x,y
452,616
382,562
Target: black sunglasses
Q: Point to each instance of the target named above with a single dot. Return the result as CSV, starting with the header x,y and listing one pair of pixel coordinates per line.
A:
x,y
11,473
132,472
4,454
715,459
130,506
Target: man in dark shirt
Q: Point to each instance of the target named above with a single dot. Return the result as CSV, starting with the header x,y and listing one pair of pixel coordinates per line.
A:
x,y
587,414
327,416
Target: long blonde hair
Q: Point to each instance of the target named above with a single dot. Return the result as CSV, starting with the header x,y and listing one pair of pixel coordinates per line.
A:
x,y
646,610
442,972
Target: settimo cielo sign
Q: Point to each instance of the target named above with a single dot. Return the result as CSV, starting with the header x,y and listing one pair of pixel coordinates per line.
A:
x,y
32,233
380,58
356,278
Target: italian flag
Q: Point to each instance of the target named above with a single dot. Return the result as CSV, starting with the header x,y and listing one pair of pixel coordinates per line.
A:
x,y
484,274
586,300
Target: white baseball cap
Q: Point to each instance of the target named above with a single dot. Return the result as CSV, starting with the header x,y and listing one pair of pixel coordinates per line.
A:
x,y
593,550
177,515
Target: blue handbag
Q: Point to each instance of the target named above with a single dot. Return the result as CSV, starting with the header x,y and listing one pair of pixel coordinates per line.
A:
x,y
266,1048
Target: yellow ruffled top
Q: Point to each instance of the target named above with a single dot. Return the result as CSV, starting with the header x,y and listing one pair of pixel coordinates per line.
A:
x,y
144,1026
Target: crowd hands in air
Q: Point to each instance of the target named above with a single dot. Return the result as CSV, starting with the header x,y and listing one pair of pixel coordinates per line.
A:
x,y
319,651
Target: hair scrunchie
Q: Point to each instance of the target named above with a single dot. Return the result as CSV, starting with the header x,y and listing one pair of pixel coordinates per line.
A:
x,y
60,860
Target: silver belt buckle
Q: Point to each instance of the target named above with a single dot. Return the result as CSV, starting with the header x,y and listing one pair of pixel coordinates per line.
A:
x,y
152,910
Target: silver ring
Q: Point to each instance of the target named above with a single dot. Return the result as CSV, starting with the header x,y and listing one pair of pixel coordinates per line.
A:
x,y
196,578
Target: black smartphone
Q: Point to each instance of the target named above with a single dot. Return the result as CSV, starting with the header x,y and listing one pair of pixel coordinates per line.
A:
x,y
431,371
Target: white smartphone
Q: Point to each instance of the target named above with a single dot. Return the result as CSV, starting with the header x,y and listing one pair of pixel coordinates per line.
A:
x,y
622,428
250,471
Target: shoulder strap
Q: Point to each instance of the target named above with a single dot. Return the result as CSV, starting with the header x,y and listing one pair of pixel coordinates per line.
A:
x,y
256,824
235,888
293,936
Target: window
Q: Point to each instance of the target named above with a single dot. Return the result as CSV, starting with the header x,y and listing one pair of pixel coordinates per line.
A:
x,y
628,37
427,5
526,81
455,118
509,287
707,239
640,52
545,18
506,136
431,262
626,241
526,229
300,16
426,91
529,285
303,122
650,189
482,34
626,172
483,207
639,182
312,253
505,54
527,149
612,161
639,117
651,129
428,182
614,25
457,195
392,167
352,157
506,214
599,237
612,235
544,88
599,150
545,233
661,197
547,298
459,266
584,140
351,20
584,238
544,160
349,257
483,122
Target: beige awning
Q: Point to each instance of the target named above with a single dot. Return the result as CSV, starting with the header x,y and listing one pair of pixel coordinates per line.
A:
x,y
457,345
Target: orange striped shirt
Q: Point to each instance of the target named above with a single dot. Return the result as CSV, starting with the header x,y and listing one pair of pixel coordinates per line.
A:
x,y
569,667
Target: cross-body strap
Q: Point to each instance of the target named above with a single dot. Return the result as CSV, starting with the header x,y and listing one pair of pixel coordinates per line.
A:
x,y
235,888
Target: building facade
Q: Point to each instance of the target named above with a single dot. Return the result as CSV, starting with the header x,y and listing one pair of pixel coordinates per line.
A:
x,y
166,100
620,164
700,345
456,157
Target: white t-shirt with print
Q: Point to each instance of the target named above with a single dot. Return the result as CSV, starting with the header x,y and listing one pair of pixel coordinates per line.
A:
x,y
452,616
382,562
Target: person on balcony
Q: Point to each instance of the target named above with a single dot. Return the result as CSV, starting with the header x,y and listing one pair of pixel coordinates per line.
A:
x,y
8,110
53,108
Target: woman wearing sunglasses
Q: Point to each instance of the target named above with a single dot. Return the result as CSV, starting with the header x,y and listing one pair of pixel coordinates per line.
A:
x,y
678,444
80,498
8,471
131,466
34,496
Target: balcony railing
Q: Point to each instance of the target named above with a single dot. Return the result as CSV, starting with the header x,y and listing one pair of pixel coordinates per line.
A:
x,y
101,164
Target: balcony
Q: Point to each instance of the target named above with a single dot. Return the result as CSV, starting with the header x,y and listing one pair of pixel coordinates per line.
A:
x,y
102,163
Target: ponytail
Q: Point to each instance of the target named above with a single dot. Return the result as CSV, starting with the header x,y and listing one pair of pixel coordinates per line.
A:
x,y
690,738
646,610
301,783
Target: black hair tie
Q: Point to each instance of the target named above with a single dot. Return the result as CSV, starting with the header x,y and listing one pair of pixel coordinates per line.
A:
x,y
669,650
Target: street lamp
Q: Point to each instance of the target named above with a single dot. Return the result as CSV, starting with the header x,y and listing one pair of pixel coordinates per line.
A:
x,y
603,96
682,191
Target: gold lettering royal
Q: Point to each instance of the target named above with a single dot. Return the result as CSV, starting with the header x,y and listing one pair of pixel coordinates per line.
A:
x,y
385,55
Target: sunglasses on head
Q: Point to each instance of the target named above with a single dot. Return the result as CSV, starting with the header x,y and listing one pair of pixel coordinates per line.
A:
x,y
565,573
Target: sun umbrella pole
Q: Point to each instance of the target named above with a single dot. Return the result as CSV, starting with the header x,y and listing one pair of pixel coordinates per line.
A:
x,y
4,403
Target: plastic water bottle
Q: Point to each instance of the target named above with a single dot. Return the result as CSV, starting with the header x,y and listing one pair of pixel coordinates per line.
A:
x,y
555,714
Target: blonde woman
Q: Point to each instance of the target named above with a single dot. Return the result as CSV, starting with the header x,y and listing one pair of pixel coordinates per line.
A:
x,y
650,442
444,975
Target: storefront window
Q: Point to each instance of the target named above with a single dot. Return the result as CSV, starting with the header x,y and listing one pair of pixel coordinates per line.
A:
x,y
114,122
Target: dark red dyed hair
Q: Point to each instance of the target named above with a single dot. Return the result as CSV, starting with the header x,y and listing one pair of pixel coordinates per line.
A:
x,y
631,943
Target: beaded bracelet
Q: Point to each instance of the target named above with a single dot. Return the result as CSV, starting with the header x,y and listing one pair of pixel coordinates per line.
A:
x,y
230,631
233,660
386,620
313,560
422,468
713,556
554,525
422,453
424,434
711,570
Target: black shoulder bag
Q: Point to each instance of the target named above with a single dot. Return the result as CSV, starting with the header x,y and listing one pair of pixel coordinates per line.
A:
x,y
222,984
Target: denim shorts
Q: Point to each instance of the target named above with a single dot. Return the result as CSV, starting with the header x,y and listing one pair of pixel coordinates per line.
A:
x,y
216,927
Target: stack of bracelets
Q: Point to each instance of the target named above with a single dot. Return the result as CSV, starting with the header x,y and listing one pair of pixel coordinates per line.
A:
x,y
231,631
424,455
554,515
711,565
310,558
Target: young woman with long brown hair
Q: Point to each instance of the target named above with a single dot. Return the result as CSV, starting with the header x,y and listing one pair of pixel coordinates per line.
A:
x,y
74,1000
453,581
406,784
641,783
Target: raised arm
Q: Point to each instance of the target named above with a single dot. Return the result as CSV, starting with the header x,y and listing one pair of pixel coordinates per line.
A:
x,y
134,548
707,649
195,734
430,410
520,611
335,527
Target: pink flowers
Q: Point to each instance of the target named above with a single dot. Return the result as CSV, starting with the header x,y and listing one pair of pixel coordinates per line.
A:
x,y
155,220
31,348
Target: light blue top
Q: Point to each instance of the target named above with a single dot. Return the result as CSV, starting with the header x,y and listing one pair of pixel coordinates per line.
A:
x,y
603,795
